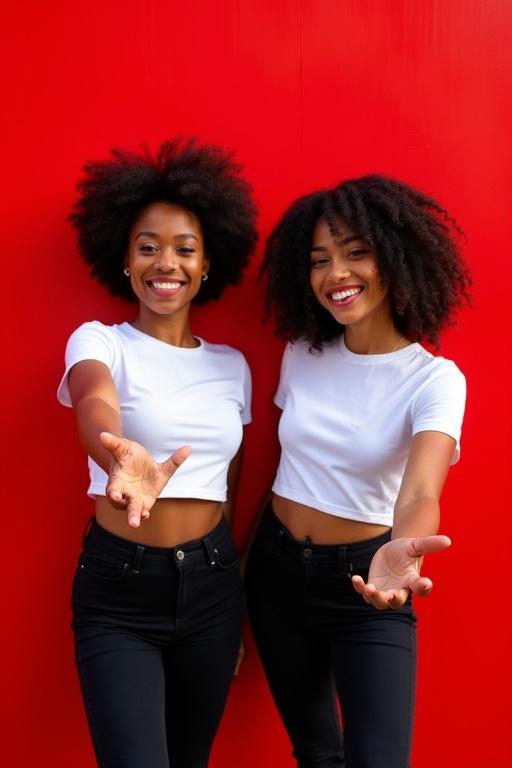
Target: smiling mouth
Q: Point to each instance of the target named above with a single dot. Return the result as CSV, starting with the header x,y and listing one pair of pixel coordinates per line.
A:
x,y
346,296
165,288
165,285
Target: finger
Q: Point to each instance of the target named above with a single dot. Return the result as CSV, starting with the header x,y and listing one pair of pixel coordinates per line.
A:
x,y
397,597
115,445
422,545
114,491
170,466
360,587
421,586
135,509
377,597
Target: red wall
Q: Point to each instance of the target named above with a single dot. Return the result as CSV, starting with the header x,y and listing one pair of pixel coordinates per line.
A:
x,y
308,91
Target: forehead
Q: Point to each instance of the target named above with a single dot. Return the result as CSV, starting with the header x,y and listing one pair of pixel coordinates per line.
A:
x,y
167,219
322,231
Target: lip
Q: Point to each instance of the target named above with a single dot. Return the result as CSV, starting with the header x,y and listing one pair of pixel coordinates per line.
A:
x,y
174,286
342,303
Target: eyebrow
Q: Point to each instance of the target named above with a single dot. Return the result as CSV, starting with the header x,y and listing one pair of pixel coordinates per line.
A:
x,y
183,236
344,241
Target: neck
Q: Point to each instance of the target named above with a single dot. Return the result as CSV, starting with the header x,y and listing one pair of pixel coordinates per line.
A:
x,y
173,330
374,341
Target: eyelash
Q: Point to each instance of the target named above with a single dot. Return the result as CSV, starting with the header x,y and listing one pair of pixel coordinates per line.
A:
x,y
357,253
148,248
319,262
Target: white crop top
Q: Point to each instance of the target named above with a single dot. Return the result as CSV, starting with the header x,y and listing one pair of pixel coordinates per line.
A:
x,y
170,396
348,421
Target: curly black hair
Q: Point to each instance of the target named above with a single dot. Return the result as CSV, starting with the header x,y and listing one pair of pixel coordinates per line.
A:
x,y
203,179
417,254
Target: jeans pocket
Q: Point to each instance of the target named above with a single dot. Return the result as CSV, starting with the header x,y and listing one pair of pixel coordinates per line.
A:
x,y
226,556
102,566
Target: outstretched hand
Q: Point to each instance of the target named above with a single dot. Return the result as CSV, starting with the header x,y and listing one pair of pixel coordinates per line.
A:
x,y
395,571
135,479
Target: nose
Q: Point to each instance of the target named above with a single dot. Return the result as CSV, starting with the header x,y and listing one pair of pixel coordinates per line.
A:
x,y
166,260
340,270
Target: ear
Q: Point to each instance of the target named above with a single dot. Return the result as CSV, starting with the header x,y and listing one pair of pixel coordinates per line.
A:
x,y
206,264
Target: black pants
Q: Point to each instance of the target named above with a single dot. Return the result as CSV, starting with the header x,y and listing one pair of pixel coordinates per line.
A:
x,y
319,642
157,635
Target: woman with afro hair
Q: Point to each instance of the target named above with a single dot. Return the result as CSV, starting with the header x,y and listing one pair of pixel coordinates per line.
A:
x,y
157,595
357,277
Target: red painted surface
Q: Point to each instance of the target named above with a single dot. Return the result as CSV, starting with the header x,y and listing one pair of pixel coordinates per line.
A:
x,y
308,92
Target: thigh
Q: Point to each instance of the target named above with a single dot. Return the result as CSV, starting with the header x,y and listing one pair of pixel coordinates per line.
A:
x,y
297,662
374,661
122,680
120,626
201,662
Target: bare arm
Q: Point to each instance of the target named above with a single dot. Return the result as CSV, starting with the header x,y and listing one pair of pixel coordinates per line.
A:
x,y
417,510
395,568
96,404
135,479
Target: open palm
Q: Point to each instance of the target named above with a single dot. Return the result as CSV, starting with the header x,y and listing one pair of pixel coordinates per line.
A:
x,y
135,479
395,571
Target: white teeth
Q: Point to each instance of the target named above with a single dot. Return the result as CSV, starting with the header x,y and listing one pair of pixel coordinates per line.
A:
x,y
341,295
165,286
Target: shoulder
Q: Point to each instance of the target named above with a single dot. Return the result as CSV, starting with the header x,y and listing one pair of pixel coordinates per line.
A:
x,y
94,340
224,351
440,369
299,354
438,381
94,329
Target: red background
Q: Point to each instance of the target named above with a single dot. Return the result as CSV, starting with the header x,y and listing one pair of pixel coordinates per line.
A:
x,y
308,92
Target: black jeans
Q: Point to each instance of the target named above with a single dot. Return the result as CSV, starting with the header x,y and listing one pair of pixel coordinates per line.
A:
x,y
319,642
157,634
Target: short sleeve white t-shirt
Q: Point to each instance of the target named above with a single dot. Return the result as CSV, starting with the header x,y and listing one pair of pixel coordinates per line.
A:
x,y
348,421
169,397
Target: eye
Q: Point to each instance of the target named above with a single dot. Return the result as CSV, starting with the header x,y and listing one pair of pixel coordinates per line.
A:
x,y
318,261
148,248
358,253
185,250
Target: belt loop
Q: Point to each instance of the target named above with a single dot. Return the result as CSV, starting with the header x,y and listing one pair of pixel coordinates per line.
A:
x,y
137,559
211,552
342,561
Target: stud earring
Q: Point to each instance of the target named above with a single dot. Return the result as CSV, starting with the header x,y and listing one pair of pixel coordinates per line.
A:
x,y
126,272
205,277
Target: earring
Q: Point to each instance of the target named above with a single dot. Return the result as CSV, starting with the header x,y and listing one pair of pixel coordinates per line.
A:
x,y
205,277
126,272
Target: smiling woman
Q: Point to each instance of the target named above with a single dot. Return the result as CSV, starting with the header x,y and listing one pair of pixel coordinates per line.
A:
x,y
157,596
357,275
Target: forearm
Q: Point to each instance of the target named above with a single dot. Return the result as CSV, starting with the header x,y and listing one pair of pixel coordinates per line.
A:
x,y
94,416
419,517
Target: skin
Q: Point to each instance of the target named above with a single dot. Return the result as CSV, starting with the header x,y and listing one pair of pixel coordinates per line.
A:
x,y
346,262
165,247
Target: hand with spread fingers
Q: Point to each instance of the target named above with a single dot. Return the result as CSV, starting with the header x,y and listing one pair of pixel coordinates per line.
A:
x,y
136,479
395,571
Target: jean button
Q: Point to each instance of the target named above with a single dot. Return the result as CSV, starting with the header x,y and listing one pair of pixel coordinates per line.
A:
x,y
180,555
308,552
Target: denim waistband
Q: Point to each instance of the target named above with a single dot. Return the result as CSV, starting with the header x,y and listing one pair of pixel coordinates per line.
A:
x,y
96,536
273,528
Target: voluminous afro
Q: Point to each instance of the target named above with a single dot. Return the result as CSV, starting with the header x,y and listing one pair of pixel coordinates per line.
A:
x,y
203,179
416,251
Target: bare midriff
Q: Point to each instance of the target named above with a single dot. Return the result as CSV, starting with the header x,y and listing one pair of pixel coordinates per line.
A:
x,y
321,528
171,521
